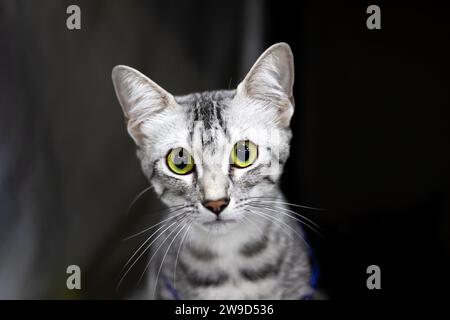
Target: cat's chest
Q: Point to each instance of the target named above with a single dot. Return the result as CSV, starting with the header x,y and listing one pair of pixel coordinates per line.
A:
x,y
237,289
229,277
236,272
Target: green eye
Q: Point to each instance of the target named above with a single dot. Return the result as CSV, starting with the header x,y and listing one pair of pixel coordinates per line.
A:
x,y
180,161
244,153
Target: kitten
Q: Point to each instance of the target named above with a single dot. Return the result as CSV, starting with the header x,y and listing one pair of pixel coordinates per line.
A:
x,y
215,159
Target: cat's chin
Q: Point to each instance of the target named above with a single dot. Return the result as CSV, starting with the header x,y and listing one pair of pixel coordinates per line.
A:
x,y
219,226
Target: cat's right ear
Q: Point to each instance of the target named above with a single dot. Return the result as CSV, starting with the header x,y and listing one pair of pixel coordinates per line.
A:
x,y
140,98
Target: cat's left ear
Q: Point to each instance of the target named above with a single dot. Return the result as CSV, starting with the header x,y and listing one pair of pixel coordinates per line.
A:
x,y
271,79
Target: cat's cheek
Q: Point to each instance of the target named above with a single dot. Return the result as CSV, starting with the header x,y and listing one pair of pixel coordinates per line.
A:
x,y
262,190
157,186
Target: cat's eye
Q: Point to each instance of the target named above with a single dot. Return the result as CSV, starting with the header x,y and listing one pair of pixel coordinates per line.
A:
x,y
244,153
180,161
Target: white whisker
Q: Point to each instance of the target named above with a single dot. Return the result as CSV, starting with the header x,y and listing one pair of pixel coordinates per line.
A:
x,y
136,198
287,213
142,253
247,219
271,220
156,224
300,236
156,251
286,203
164,257
178,253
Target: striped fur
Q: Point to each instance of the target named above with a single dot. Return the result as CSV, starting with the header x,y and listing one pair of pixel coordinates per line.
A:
x,y
252,252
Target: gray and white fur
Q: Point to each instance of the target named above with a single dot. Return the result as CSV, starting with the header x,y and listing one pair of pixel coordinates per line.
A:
x,y
253,248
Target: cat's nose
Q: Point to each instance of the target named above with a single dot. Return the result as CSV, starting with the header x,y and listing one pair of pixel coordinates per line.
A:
x,y
216,206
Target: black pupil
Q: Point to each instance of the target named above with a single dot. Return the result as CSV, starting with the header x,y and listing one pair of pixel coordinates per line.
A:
x,y
181,159
243,152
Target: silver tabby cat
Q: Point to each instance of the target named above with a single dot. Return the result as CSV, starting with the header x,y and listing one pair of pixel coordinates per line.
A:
x,y
215,159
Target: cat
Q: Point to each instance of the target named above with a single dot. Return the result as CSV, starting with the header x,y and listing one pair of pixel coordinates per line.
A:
x,y
215,159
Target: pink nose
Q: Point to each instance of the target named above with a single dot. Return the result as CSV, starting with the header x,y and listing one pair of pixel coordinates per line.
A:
x,y
216,206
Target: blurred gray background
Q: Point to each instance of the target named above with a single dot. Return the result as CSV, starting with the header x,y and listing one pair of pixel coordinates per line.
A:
x,y
371,134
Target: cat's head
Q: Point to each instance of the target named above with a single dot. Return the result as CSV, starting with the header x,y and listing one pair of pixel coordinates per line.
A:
x,y
213,152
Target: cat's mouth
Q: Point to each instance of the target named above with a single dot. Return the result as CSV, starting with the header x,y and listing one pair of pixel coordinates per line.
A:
x,y
219,222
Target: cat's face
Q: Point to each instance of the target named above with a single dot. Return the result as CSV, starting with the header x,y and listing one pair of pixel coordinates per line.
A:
x,y
213,152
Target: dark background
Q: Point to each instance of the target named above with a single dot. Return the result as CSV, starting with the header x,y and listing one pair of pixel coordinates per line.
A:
x,y
371,134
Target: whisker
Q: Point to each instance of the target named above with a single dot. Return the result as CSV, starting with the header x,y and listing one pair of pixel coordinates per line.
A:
x,y
140,194
287,203
271,220
288,214
147,240
142,253
156,224
156,251
297,214
300,236
136,198
178,253
164,257
247,219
